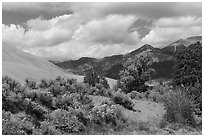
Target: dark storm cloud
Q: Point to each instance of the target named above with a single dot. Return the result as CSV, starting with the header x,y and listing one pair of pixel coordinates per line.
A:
x,y
142,26
19,13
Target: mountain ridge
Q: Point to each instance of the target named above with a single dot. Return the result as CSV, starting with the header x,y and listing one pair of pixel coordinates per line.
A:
x,y
111,65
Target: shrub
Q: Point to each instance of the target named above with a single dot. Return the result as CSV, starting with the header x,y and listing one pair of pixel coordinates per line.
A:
x,y
73,100
43,97
79,88
195,92
136,95
65,122
107,113
179,107
31,83
102,91
47,128
155,96
35,109
93,78
123,99
13,125
57,90
12,95
43,84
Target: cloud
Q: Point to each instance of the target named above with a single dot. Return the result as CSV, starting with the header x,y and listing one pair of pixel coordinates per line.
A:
x,y
168,30
66,37
19,13
112,29
142,26
151,10
43,33
186,21
96,29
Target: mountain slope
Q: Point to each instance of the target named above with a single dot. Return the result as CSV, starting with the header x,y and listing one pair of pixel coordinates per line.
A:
x,y
188,41
111,66
20,65
181,45
164,59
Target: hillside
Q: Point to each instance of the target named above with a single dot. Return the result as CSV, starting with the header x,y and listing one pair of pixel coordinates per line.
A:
x,y
111,66
164,59
20,65
181,45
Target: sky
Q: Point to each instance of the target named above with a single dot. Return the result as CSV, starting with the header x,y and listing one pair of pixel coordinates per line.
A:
x,y
63,31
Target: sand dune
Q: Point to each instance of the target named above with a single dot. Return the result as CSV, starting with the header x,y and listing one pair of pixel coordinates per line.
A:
x,y
20,65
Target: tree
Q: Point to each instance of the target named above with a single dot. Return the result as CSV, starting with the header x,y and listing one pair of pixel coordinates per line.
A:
x,y
135,73
189,73
93,78
189,67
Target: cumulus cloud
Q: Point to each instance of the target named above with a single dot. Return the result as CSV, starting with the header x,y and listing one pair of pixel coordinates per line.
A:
x,y
43,33
61,31
67,37
112,29
168,30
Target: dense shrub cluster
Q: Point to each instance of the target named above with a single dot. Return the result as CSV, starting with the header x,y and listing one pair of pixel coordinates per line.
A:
x,y
17,124
107,113
180,108
60,106
179,102
93,78
123,99
63,106
189,73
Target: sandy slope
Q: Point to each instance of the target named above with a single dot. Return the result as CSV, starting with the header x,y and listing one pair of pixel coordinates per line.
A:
x,y
19,65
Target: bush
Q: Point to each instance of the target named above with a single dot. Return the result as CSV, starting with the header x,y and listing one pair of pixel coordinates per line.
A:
x,y
13,125
107,113
136,95
35,109
65,122
73,100
43,97
57,90
12,95
47,128
124,100
43,84
31,83
179,107
195,92
93,78
155,96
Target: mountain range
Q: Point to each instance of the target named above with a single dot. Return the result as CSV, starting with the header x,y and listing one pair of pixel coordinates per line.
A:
x,y
164,59
20,65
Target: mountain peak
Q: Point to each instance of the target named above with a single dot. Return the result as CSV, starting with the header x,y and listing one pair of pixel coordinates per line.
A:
x,y
141,49
146,46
